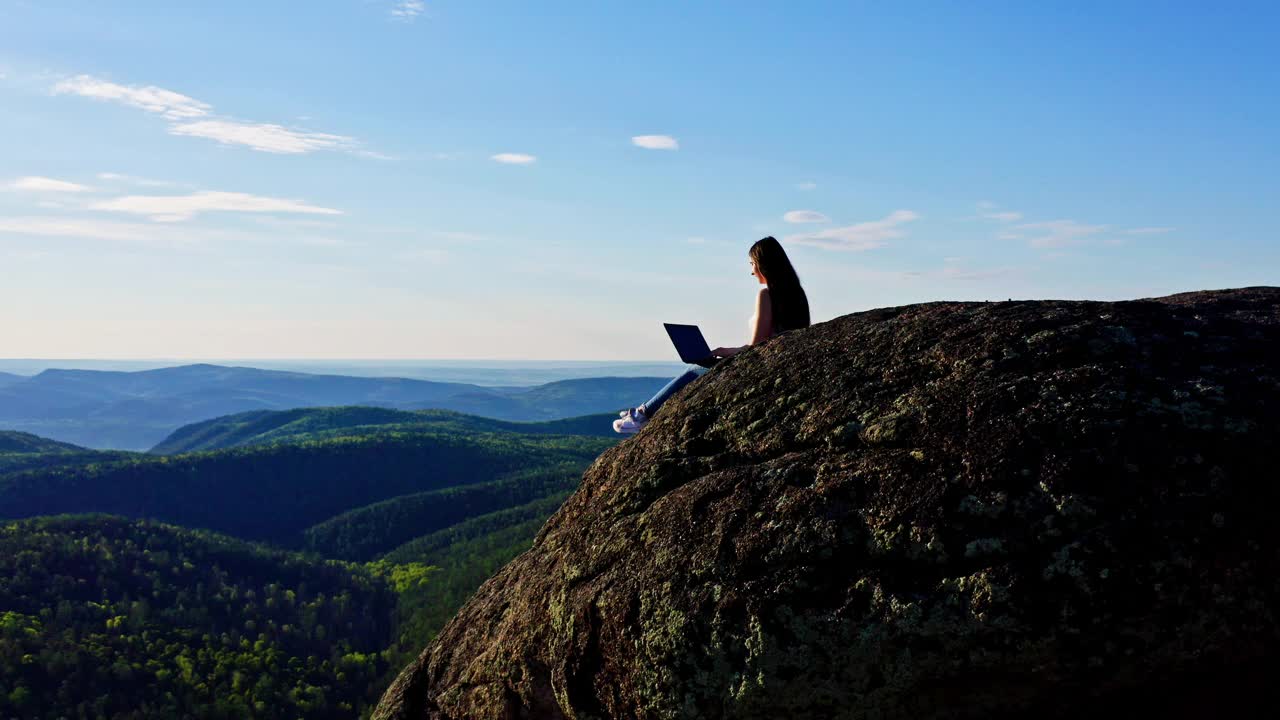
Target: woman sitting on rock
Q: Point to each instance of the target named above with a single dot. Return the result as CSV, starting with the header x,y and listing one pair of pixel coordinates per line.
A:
x,y
780,306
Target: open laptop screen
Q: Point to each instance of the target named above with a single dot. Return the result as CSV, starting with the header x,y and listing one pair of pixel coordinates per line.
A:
x,y
689,343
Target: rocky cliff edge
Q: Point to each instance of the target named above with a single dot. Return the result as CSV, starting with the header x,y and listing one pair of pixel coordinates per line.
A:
x,y
938,510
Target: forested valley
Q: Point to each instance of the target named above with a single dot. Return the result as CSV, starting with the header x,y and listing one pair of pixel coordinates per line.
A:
x,y
288,567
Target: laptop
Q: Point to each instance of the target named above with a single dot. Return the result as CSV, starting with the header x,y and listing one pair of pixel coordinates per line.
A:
x,y
690,344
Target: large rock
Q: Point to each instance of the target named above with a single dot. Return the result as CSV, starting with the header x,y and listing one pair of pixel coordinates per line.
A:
x,y
938,510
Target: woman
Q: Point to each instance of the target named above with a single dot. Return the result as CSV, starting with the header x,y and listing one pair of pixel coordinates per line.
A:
x,y
780,306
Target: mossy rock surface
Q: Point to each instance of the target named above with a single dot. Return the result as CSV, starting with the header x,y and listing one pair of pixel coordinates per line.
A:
x,y
945,510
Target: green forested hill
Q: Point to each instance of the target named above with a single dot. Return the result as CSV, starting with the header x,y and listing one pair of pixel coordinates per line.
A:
x,y
106,617
365,533
261,427
138,410
102,616
461,558
258,427
272,493
216,627
437,547
562,398
24,451
20,442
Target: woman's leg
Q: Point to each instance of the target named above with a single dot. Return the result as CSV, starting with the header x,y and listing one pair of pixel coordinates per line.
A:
x,y
693,372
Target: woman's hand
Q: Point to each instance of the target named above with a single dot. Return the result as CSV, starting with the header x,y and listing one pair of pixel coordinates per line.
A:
x,y
725,352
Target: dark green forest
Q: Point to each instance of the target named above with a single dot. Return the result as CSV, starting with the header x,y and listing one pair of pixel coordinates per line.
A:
x,y
24,451
367,532
20,442
263,427
461,558
107,617
291,575
432,547
274,492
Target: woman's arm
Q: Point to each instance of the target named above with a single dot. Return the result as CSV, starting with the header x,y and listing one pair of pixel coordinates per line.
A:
x,y
764,317
761,331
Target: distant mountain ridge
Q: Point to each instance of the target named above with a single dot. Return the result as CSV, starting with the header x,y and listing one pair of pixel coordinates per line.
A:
x,y
261,427
137,410
20,442
23,451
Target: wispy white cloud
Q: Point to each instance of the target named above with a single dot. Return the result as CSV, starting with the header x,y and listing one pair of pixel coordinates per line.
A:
x,y
805,216
1004,216
937,280
192,118
168,103
1059,233
174,208
294,223
807,185
35,183
373,154
656,142
1056,233
265,137
862,236
108,230
988,210
133,180
408,9
514,158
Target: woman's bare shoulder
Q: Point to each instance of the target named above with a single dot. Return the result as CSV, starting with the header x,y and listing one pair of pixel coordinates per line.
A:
x,y
764,306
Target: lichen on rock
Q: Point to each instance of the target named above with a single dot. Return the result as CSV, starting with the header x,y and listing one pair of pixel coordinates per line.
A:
x,y
946,510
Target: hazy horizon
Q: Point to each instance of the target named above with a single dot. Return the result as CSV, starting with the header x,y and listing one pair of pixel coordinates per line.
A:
x,y
476,372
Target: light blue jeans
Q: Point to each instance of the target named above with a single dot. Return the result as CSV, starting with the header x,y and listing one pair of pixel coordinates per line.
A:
x,y
691,373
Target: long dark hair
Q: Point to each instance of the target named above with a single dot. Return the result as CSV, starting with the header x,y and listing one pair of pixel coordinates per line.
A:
x,y
790,304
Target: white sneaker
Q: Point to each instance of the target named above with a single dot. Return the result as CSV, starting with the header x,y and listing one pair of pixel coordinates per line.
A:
x,y
630,422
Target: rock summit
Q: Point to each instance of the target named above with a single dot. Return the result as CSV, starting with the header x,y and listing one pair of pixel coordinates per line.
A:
x,y
944,510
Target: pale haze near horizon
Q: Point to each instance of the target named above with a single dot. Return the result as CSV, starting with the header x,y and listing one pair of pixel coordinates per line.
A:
x,y
381,180
506,373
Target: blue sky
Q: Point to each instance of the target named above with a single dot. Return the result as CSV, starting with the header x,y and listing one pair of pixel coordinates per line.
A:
x,y
391,179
